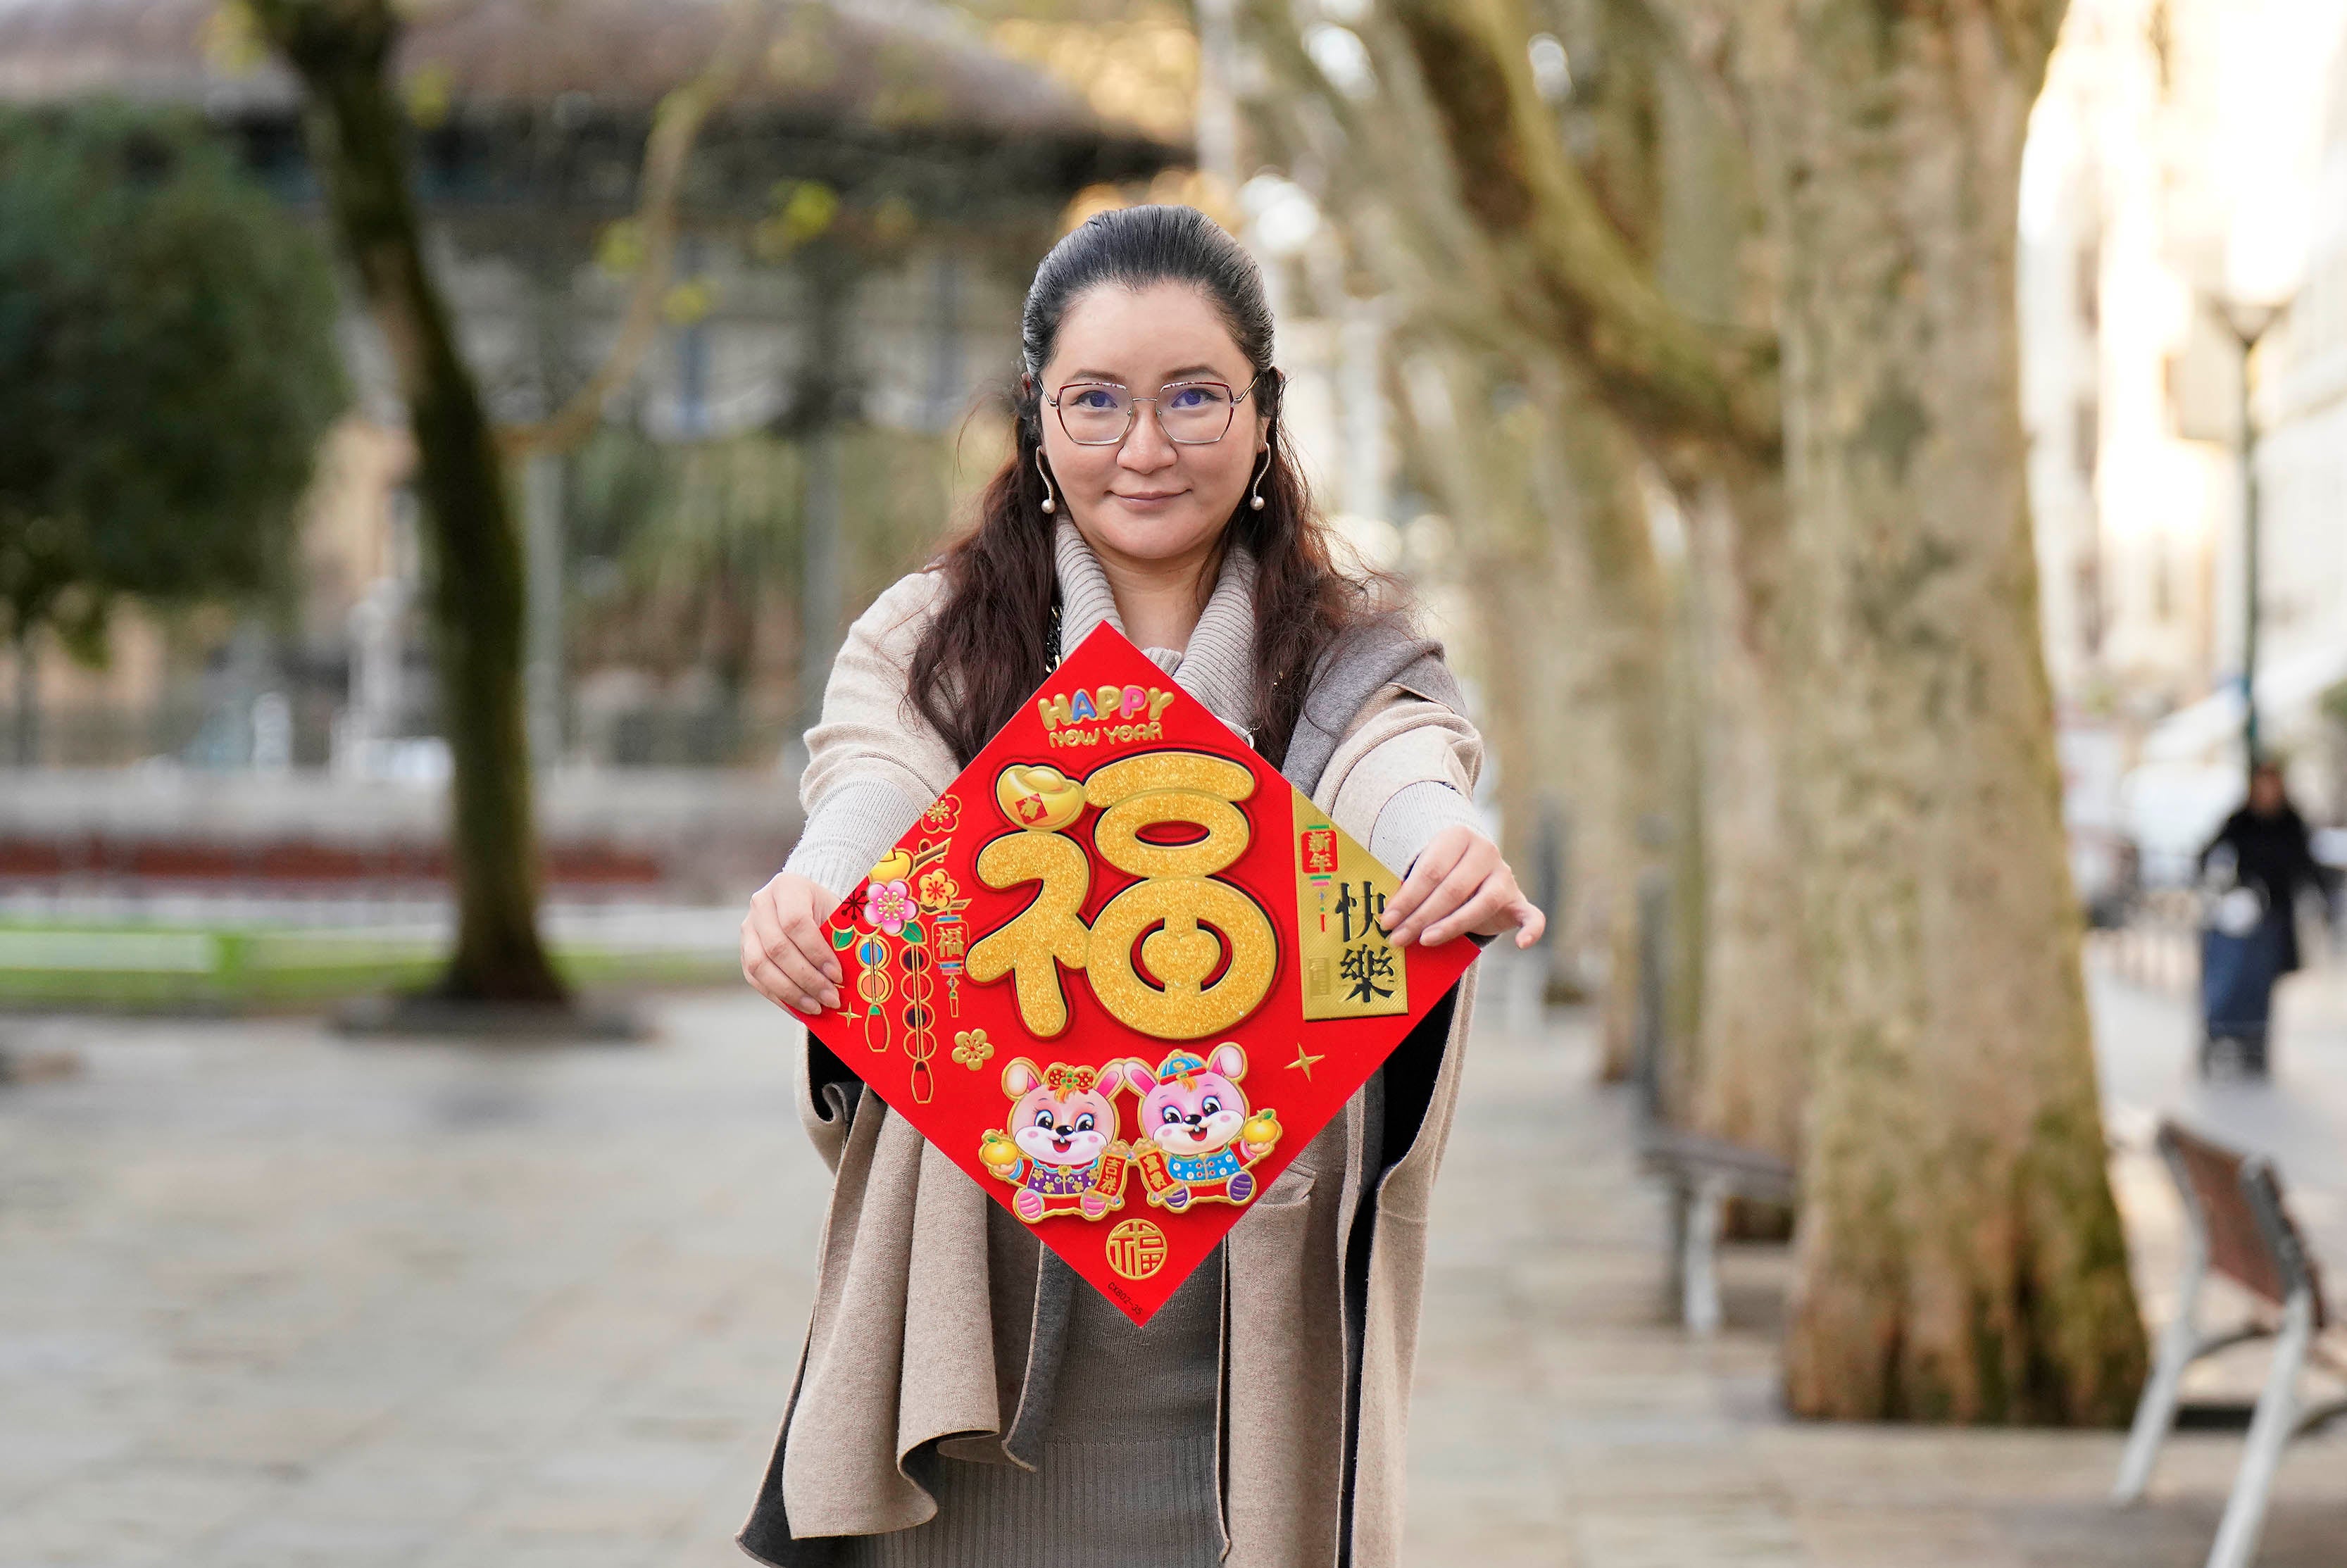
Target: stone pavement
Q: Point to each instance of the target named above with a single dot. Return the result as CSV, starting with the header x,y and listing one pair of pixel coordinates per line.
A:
x,y
270,1300
1562,1421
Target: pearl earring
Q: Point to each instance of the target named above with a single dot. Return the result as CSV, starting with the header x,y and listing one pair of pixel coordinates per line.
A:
x,y
1049,503
1255,502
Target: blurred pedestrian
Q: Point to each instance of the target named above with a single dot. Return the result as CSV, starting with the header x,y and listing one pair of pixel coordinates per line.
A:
x,y
964,1397
2252,873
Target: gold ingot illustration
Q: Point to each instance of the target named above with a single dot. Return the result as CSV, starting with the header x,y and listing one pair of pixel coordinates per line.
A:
x,y
1036,797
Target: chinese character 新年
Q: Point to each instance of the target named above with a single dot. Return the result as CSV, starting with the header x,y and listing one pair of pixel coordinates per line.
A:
x,y
1320,853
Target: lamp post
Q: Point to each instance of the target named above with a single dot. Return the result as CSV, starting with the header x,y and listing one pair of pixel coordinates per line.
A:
x,y
2248,320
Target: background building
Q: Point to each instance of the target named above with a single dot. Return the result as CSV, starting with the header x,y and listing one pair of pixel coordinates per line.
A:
x,y
2302,476
857,222
2175,161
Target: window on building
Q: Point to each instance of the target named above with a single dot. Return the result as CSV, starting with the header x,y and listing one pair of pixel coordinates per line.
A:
x,y
2090,601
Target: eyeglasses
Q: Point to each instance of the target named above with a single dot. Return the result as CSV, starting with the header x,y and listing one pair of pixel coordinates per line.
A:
x,y
1192,413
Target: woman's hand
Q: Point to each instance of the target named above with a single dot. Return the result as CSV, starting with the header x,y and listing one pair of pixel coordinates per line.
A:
x,y
784,954
1459,884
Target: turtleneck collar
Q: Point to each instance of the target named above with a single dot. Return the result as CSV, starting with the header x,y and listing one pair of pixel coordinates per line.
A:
x,y
1218,666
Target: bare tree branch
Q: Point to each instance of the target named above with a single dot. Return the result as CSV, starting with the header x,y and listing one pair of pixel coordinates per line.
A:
x,y
1574,275
676,123
1393,189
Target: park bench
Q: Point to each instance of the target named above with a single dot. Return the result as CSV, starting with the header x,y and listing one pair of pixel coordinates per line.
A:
x,y
2236,1225
1701,1173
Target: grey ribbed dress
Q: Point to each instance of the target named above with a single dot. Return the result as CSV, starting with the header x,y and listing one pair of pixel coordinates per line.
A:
x,y
1125,1476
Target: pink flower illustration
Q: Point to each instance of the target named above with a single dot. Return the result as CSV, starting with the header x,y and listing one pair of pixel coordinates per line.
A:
x,y
887,905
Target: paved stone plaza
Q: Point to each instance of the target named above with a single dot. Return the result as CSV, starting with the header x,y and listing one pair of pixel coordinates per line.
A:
x,y
269,1298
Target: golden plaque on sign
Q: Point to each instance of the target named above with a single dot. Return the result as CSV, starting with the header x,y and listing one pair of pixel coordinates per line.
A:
x,y
1349,968
1136,1249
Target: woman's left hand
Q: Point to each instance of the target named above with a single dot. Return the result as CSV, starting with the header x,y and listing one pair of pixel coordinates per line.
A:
x,y
1459,885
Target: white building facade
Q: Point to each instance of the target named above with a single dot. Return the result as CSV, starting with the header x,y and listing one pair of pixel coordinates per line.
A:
x,y
2186,153
2302,410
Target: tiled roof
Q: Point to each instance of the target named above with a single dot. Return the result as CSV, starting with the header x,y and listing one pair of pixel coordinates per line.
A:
x,y
879,62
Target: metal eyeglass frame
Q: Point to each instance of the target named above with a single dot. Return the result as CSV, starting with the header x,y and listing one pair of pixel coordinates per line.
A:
x,y
1132,414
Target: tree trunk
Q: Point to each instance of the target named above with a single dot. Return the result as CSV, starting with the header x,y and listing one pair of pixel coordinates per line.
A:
x,y
1643,232
1749,1035
1550,523
1959,1254
28,699
823,401
341,49
1750,1057
1617,662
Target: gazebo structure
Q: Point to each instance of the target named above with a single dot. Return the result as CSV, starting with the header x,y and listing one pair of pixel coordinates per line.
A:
x,y
857,222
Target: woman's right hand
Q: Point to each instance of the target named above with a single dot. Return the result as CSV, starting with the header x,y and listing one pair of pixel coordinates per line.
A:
x,y
784,954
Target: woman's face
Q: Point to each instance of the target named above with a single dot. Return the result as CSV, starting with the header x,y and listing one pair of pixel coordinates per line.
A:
x,y
1148,499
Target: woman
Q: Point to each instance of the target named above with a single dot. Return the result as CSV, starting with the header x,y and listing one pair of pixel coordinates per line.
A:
x,y
2263,856
963,1398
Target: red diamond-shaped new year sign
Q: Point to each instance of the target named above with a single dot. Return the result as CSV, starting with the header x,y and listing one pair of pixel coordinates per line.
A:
x,y
1122,972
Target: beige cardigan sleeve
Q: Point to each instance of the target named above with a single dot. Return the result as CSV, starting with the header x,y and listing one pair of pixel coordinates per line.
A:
x,y
1405,771
873,762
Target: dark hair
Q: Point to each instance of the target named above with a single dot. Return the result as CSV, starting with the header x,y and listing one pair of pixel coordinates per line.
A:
x,y
986,650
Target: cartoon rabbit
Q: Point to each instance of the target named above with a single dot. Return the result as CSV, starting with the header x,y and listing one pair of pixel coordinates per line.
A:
x,y
1062,1152
1198,1139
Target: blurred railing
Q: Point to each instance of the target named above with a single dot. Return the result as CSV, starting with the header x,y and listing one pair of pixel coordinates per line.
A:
x,y
201,733
691,834
656,735
2158,945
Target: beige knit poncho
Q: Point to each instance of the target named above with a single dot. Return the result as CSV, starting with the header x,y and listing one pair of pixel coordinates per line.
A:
x,y
916,1350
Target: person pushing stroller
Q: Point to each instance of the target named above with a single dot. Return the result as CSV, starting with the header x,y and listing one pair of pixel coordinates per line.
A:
x,y
2252,871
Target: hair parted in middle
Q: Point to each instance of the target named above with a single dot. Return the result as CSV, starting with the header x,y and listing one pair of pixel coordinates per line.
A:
x,y
986,648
